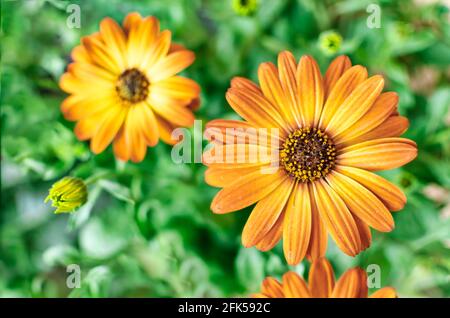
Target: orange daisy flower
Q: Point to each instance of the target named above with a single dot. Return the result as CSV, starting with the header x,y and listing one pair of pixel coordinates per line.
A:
x,y
124,88
333,133
353,284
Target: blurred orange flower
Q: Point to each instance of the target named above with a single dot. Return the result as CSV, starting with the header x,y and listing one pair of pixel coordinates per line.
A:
x,y
124,88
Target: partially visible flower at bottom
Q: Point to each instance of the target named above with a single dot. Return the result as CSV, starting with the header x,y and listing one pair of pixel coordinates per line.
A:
x,y
353,284
67,194
330,42
245,7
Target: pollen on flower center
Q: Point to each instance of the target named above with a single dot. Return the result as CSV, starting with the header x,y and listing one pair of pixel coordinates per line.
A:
x,y
308,154
132,86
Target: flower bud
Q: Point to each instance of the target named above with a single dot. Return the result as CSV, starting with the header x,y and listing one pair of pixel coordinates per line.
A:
x,y
67,194
330,42
245,7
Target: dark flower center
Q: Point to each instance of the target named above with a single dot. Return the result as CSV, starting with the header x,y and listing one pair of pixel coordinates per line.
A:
x,y
132,86
308,154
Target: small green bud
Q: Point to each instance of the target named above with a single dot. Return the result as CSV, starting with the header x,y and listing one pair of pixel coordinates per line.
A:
x,y
330,42
67,194
245,7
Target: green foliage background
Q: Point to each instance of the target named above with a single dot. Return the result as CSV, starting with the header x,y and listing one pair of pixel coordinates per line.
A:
x,y
147,229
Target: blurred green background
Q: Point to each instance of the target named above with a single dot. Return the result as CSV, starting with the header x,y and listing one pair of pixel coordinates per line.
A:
x,y
147,230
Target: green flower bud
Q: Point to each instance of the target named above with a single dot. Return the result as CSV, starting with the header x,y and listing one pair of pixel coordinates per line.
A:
x,y
330,42
67,194
245,7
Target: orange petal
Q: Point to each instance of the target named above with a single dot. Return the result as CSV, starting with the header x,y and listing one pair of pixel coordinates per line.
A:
x,y
377,114
171,110
272,89
337,218
149,31
146,123
245,84
86,128
142,35
90,74
321,278
138,130
177,87
138,148
68,83
266,213
319,236
246,191
82,86
165,130
364,233
379,154
221,178
272,288
100,55
114,39
233,156
355,105
310,90
120,145
157,51
230,131
336,69
361,202
254,108
287,74
353,284
227,123
79,54
108,130
387,192
174,47
130,20
294,286
385,292
271,85
297,225
151,44
272,237
136,141
170,65
342,89
394,126
77,107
